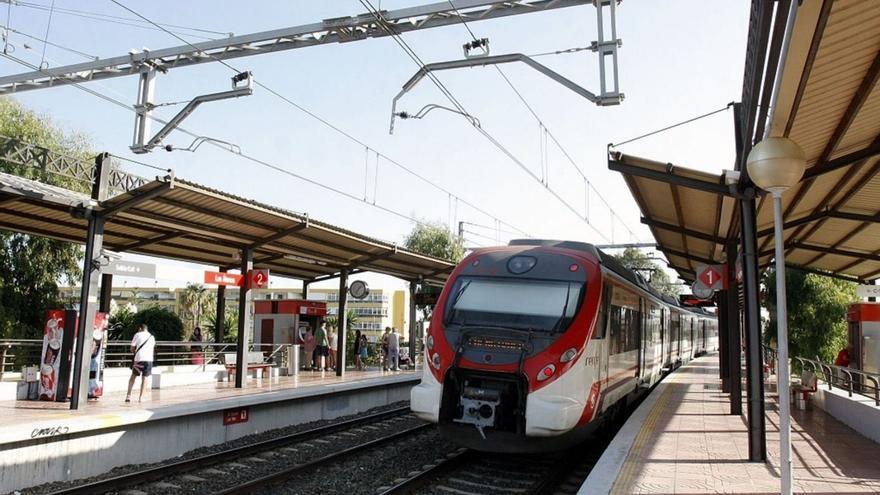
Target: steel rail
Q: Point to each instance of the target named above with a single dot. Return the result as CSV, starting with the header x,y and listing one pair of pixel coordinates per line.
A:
x,y
285,474
186,465
413,483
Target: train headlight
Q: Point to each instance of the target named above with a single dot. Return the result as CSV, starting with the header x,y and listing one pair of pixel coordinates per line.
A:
x,y
435,360
546,373
521,264
568,355
429,341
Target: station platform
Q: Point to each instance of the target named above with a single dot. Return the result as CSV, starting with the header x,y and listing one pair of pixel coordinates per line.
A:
x,y
45,441
682,439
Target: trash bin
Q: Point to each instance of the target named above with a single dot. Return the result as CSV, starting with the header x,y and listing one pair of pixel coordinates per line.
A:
x,y
293,360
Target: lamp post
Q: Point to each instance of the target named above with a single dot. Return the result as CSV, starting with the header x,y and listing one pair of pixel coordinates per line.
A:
x,y
775,164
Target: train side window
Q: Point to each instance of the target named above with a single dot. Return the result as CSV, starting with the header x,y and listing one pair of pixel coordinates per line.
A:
x,y
615,317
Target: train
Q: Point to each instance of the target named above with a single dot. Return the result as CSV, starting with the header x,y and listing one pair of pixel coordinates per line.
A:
x,y
534,345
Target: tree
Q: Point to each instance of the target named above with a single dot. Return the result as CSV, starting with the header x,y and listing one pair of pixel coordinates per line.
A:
x,y
639,262
31,267
195,301
434,239
351,317
817,309
163,324
230,326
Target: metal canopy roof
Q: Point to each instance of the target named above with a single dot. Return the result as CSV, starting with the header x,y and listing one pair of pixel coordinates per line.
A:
x,y
689,212
180,220
828,102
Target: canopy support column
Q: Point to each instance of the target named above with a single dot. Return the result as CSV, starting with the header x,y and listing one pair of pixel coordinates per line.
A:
x,y
723,332
413,286
244,316
734,356
88,302
220,319
341,323
754,360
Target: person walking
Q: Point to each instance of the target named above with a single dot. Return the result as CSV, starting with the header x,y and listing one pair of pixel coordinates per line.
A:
x,y
358,362
332,335
142,346
843,360
321,347
394,350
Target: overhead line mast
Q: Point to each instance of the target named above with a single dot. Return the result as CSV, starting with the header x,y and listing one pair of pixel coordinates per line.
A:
x,y
337,30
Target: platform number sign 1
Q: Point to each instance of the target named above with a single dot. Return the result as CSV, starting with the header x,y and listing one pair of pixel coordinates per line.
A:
x,y
235,416
712,276
259,279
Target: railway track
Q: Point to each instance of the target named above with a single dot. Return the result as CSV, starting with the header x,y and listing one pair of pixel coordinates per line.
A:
x,y
380,428
468,472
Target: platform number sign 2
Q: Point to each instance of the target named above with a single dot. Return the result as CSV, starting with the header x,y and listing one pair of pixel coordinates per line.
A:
x,y
259,279
235,416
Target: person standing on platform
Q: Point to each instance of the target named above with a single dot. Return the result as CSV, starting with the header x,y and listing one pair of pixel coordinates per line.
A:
x,y
393,350
843,357
198,356
142,346
385,348
309,347
358,363
321,347
332,334
364,353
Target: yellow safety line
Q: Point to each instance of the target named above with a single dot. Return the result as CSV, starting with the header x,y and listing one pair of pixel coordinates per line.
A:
x,y
633,463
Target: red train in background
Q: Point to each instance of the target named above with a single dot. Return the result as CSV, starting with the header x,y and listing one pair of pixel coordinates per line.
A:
x,y
533,345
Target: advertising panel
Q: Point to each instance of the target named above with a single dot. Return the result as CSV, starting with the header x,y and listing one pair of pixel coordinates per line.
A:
x,y
98,348
53,333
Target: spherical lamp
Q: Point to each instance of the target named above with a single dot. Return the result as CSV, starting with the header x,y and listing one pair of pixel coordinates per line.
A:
x,y
776,163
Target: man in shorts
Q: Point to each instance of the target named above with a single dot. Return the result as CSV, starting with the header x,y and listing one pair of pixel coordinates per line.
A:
x,y
142,346
322,350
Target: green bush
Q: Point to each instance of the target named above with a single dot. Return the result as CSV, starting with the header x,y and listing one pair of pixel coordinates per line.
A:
x,y
163,324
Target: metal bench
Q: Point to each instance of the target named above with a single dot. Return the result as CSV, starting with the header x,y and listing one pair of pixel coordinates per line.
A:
x,y
254,363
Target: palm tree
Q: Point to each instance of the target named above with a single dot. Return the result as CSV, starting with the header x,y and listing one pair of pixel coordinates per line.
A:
x,y
192,303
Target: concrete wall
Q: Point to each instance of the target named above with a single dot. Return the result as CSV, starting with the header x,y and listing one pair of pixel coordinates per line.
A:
x,y
81,452
857,412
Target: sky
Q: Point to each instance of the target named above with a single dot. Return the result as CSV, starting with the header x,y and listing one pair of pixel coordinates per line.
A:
x,y
678,59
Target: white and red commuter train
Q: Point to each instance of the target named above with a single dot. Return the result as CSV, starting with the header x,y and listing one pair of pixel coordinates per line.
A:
x,y
533,345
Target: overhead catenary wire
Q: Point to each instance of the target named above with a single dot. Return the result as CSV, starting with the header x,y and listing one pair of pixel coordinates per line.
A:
x,y
433,78
673,126
331,126
253,159
123,21
243,155
546,130
56,45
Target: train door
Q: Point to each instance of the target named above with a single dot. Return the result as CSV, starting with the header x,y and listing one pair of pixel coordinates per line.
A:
x,y
624,335
665,348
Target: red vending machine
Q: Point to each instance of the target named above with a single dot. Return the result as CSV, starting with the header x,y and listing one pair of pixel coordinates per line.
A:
x,y
57,358
864,336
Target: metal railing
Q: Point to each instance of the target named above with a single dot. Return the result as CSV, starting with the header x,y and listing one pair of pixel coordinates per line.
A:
x,y
854,381
18,353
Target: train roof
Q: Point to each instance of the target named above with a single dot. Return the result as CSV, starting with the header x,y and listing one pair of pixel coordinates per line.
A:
x,y
611,263
604,258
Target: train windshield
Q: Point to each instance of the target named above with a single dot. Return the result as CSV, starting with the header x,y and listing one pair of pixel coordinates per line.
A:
x,y
539,305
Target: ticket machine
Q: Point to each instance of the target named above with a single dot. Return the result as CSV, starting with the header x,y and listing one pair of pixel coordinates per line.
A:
x,y
864,336
285,321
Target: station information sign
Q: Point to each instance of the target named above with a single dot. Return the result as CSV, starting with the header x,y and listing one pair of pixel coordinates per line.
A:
x,y
863,290
131,269
235,416
222,278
